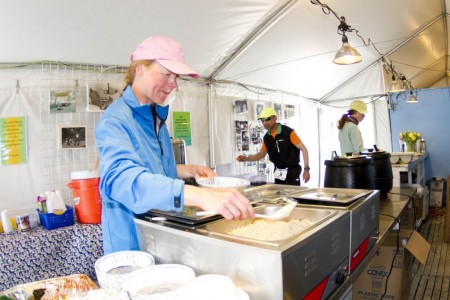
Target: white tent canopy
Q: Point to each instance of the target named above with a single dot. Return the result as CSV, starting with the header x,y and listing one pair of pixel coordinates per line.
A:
x,y
265,51
285,45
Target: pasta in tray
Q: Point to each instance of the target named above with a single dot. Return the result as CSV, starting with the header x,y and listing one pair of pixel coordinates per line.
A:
x,y
269,230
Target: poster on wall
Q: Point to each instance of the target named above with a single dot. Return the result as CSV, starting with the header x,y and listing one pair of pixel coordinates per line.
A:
x,y
100,95
13,141
62,101
182,126
70,137
242,136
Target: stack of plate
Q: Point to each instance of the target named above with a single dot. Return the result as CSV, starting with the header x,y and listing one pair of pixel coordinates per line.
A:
x,y
158,282
113,269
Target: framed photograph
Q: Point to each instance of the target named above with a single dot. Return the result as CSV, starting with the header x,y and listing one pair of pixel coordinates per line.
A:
x,y
100,95
72,137
62,101
259,106
289,111
240,106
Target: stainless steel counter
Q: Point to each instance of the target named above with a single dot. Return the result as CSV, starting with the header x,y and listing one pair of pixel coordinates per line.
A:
x,y
397,205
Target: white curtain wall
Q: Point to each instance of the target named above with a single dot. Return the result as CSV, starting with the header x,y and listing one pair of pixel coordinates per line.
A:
x,y
213,118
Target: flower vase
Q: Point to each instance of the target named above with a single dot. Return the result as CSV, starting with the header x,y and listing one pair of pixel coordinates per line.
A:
x,y
411,147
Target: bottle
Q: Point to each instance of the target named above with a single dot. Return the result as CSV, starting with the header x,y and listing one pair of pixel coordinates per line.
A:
x,y
422,146
6,222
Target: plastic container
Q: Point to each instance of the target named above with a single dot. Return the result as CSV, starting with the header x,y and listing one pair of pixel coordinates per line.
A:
x,y
88,203
112,269
53,221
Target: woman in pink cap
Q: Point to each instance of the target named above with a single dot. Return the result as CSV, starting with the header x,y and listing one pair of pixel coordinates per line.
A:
x,y
137,166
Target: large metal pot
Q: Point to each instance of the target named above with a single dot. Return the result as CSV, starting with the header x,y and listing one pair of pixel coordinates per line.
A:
x,y
350,172
383,171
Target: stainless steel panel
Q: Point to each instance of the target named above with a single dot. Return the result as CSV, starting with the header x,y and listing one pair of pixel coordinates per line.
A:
x,y
288,271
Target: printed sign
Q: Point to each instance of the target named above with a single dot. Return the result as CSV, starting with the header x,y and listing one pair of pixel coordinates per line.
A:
x,y
13,145
182,126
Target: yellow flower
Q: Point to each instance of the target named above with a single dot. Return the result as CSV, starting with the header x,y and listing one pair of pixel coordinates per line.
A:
x,y
410,136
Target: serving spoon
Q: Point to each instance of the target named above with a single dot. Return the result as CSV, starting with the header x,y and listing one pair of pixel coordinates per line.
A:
x,y
281,213
284,212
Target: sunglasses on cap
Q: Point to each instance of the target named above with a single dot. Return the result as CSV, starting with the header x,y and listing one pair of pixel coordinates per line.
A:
x,y
266,119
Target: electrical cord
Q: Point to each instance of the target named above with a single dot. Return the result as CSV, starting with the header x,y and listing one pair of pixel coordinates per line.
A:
x,y
395,255
413,204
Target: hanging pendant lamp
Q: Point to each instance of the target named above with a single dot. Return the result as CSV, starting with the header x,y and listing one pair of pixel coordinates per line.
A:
x,y
347,55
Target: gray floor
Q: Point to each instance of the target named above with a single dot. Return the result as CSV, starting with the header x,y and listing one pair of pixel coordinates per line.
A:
x,y
432,280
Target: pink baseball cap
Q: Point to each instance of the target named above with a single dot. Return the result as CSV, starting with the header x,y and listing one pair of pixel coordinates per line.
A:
x,y
165,51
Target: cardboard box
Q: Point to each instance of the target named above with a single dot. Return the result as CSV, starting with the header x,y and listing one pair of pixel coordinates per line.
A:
x,y
421,203
371,283
447,214
438,191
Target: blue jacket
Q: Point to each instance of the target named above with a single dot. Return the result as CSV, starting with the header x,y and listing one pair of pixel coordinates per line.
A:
x,y
137,169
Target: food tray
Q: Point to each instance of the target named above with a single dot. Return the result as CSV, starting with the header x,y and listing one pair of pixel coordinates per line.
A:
x,y
55,288
187,216
223,227
331,195
53,221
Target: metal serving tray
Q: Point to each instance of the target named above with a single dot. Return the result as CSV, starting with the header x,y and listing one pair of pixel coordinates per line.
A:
x,y
187,216
336,196
270,192
222,228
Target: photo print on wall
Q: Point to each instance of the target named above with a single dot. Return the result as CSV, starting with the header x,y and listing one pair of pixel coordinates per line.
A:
x,y
62,101
101,94
242,136
259,106
71,137
289,111
240,106
278,110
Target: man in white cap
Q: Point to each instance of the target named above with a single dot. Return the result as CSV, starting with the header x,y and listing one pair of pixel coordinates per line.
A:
x,y
350,137
137,166
283,146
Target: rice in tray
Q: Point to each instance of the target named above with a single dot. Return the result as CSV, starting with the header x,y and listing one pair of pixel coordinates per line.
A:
x,y
270,230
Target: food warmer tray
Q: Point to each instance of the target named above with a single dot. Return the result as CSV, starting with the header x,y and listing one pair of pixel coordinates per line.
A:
x,y
271,192
333,196
187,216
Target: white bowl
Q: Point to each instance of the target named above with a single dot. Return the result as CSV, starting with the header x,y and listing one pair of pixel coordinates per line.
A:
x,y
223,182
112,269
401,157
211,286
157,282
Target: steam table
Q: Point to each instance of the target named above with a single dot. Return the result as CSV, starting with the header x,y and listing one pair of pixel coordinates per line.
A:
x,y
44,254
399,205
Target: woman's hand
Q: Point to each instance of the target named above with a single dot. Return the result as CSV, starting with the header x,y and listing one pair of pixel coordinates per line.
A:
x,y
230,203
194,171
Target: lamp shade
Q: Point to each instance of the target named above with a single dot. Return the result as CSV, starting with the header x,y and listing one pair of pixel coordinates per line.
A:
x,y
347,55
411,98
395,86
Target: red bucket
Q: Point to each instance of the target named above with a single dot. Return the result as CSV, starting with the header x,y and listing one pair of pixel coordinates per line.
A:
x,y
88,203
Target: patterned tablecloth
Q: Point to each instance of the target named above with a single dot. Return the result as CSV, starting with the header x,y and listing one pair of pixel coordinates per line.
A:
x,y
44,254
